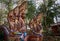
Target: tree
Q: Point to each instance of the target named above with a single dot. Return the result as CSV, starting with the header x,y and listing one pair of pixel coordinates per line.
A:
x,y
4,12
50,10
30,10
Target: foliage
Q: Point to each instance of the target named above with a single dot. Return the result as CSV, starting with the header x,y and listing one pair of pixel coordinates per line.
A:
x,y
8,4
3,15
4,12
50,9
31,10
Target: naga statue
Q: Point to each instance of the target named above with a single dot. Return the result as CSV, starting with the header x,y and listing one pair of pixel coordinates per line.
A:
x,y
16,18
36,28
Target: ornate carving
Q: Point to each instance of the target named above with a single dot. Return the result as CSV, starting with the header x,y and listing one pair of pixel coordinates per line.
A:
x,y
16,18
35,23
